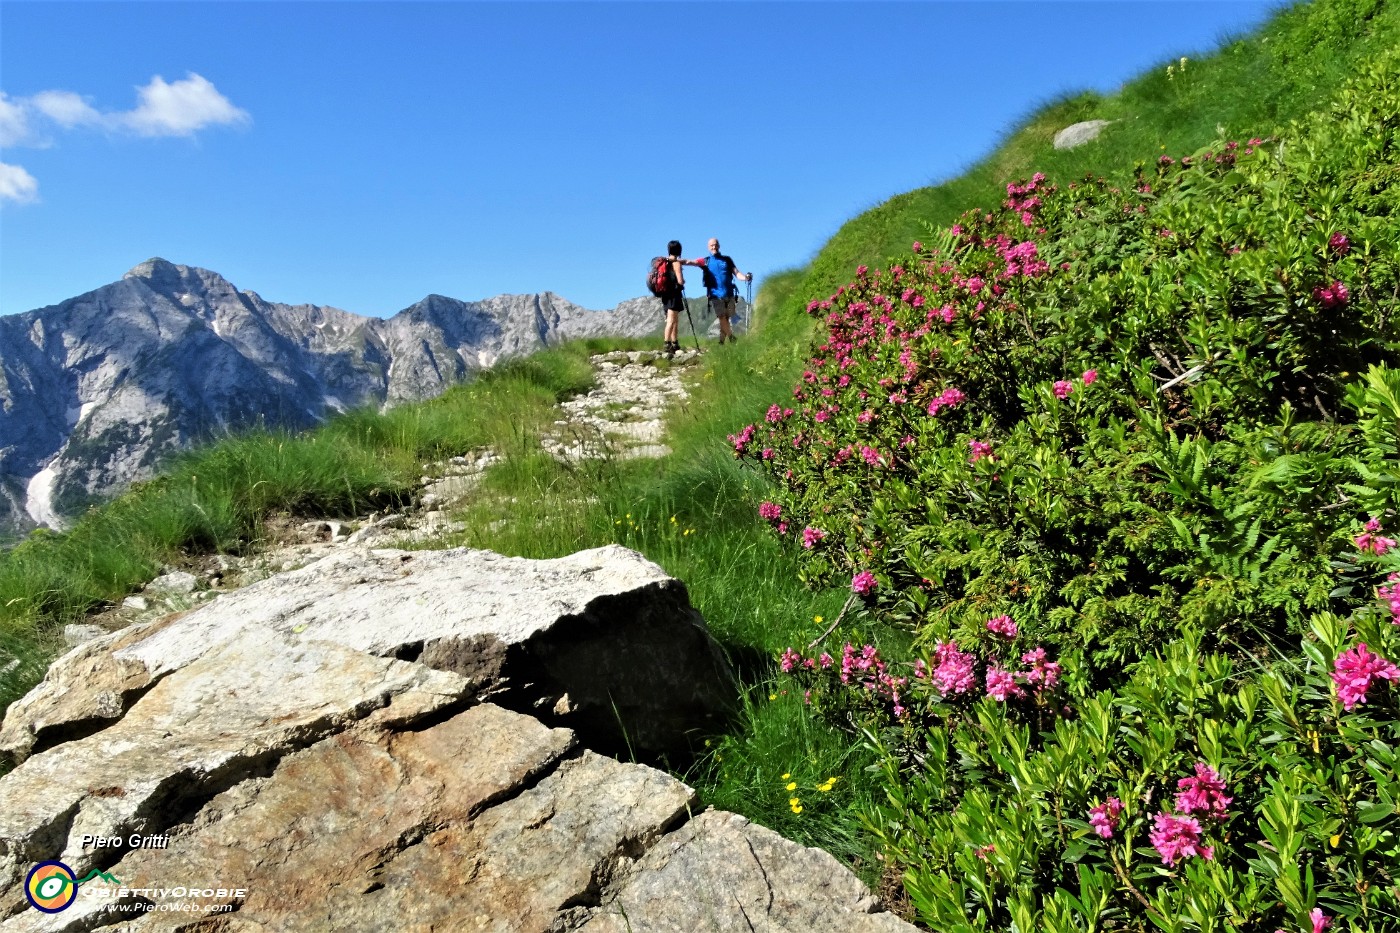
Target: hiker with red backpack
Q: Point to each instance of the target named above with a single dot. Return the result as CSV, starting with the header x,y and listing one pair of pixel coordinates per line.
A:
x,y
720,272
666,280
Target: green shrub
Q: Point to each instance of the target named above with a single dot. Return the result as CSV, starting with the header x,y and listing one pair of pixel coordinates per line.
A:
x,y
1110,412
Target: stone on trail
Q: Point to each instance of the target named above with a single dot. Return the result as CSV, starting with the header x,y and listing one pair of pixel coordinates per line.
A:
x,y
606,626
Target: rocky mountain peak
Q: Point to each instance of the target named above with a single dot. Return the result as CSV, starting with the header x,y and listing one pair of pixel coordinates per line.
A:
x,y
170,279
156,269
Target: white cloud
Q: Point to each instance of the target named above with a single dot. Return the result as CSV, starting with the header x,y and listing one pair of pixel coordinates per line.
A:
x,y
17,185
14,126
65,108
179,108
176,108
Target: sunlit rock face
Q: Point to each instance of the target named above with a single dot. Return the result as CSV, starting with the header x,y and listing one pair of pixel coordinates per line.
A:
x,y
95,391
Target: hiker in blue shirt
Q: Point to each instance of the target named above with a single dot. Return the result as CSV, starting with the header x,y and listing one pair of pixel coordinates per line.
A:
x,y
720,272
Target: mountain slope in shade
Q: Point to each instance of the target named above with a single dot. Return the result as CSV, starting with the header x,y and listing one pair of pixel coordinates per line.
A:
x,y
96,390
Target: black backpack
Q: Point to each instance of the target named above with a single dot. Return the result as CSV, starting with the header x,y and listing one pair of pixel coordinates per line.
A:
x,y
661,279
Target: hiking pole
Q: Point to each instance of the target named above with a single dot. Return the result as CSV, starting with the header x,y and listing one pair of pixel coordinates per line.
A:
x,y
686,301
748,301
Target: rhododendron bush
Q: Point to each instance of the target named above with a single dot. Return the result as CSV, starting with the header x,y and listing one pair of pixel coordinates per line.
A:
x,y
1109,411
1124,459
1191,798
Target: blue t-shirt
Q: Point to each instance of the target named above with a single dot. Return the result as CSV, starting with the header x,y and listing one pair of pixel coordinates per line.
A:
x,y
719,276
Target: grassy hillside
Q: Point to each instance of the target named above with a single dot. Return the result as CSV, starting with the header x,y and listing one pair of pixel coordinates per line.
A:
x,y
1185,556
1251,86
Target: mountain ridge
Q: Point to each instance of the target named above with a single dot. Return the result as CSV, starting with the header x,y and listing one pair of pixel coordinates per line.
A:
x,y
97,389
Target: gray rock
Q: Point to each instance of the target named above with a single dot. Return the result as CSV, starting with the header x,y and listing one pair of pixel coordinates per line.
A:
x,y
1078,134
722,873
97,390
138,603
606,626
75,634
178,582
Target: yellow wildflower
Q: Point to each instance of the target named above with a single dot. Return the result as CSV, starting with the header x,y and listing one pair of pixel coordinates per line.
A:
x,y
792,785
786,775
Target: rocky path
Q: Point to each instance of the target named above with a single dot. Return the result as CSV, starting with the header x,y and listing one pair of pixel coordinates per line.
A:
x,y
624,415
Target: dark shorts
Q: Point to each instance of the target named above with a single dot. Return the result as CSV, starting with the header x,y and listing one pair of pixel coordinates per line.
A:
x,y
673,301
725,307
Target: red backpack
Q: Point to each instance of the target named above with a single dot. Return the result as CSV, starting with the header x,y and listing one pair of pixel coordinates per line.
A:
x,y
661,279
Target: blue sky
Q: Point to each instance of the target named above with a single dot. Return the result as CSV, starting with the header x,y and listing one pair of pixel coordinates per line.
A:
x,y
364,155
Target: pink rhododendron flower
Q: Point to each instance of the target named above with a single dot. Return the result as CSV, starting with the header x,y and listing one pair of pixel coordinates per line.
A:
x,y
1063,388
983,851
1372,542
1354,670
1176,838
980,449
954,669
1331,296
863,583
870,455
1043,675
1339,243
1103,819
1002,625
1391,596
918,247
810,536
790,660
1202,794
1090,376
948,398
1001,685
770,511
1319,920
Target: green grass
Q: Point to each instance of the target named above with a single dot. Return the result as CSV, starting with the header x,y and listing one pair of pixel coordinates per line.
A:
x,y
738,575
